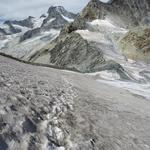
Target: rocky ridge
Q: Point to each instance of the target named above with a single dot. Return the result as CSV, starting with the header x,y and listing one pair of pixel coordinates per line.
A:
x,y
56,18
36,32
124,13
28,22
136,44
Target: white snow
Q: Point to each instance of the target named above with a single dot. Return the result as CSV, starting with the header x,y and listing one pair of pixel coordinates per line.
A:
x,y
113,79
30,46
38,22
5,27
51,20
67,19
106,26
103,33
92,36
23,29
135,88
104,23
104,1
106,75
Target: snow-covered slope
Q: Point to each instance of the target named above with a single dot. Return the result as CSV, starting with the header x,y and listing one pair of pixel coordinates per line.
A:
x,y
48,109
104,107
25,49
57,17
104,34
35,32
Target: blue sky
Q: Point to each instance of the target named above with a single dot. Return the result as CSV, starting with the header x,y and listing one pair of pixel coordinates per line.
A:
x,y
19,9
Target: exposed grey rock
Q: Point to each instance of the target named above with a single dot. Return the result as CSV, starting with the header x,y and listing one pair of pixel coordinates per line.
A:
x,y
12,29
2,31
55,10
28,22
125,13
43,16
29,34
136,44
71,51
56,18
57,23
78,24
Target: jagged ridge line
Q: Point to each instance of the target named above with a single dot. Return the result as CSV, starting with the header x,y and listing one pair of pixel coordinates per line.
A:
x,y
38,64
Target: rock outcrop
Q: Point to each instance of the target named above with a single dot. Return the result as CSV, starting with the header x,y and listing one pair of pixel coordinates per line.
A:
x,y
12,29
57,17
125,13
136,44
78,24
29,34
28,22
71,51
3,33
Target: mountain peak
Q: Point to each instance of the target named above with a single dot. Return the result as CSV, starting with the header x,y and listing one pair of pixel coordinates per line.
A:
x,y
125,13
60,10
54,9
57,17
28,22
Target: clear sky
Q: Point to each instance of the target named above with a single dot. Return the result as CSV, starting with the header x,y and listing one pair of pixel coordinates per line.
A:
x,y
19,9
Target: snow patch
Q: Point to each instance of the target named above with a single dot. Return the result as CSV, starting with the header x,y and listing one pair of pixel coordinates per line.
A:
x,y
38,22
23,29
51,20
27,48
135,88
106,26
106,75
67,19
93,36
105,23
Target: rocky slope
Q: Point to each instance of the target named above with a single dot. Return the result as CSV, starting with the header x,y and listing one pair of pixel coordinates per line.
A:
x,y
92,46
136,44
34,32
56,18
48,109
2,34
28,22
125,13
71,51
89,44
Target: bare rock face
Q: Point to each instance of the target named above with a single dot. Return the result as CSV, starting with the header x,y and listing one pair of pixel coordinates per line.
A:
x,y
12,29
28,22
125,13
29,34
3,33
78,24
57,17
72,51
136,44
